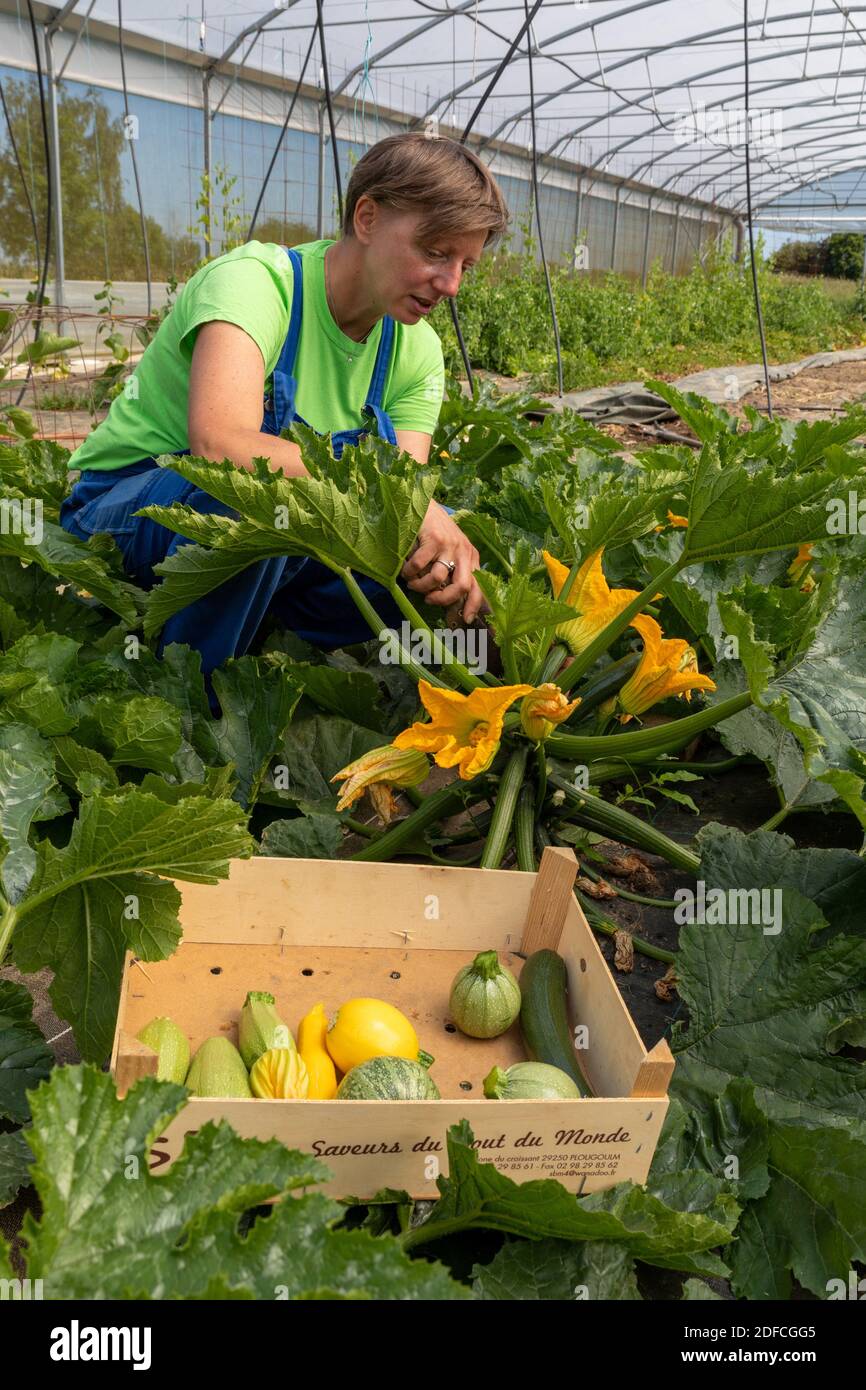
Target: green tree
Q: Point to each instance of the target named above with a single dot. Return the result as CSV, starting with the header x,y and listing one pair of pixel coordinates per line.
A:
x,y
843,255
102,231
283,233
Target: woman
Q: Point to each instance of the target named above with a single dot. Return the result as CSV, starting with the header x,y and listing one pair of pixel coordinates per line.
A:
x,y
331,333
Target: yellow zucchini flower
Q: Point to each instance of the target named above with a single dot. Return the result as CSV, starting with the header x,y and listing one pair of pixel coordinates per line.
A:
x,y
543,708
592,598
463,730
668,666
673,520
798,566
377,772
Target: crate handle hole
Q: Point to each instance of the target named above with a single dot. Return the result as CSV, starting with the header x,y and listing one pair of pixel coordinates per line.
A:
x,y
466,1085
216,970
450,1028
582,965
307,971
395,974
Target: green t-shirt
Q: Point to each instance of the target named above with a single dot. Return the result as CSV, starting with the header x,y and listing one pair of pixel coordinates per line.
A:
x,y
252,287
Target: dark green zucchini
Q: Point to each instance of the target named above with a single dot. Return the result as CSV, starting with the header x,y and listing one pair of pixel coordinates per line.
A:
x,y
544,1015
600,688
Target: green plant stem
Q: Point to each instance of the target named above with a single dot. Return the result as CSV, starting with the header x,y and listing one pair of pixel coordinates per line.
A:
x,y
476,463
608,770
472,858
605,684
597,920
503,812
782,814
552,662
660,738
358,826
7,926
587,658
541,777
548,663
435,807
368,612
524,825
608,928
509,662
596,814
672,764
461,673
623,893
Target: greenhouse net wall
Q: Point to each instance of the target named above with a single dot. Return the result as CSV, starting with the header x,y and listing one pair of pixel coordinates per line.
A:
x,y
591,222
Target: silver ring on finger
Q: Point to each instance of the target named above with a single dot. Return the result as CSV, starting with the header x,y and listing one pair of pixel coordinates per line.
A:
x,y
450,565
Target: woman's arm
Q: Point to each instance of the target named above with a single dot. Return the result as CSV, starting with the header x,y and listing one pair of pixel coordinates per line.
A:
x,y
226,390
440,536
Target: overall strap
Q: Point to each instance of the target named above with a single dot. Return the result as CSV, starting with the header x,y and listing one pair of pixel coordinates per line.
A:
x,y
373,403
289,350
380,370
280,408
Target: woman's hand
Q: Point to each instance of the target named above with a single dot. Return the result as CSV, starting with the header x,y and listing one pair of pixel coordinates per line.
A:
x,y
441,539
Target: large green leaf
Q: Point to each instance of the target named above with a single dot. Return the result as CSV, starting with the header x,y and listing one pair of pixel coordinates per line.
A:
x,y
37,468
588,520
812,1220
802,1186
818,695
834,879
517,608
754,731
311,751
761,1004
26,776
728,1138
109,1229
98,896
177,678
257,704
195,570
477,1196
734,509
87,565
24,1055
303,837
84,769
557,1269
135,731
39,602
353,694
361,512
15,1161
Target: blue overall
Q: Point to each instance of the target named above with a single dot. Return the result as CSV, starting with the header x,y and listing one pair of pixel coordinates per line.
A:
x,y
305,595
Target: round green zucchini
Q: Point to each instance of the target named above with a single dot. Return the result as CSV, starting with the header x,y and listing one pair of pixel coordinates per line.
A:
x,y
388,1078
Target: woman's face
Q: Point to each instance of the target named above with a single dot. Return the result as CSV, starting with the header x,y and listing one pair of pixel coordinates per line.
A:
x,y
410,274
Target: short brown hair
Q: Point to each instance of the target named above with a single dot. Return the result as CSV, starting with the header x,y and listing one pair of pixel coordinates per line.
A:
x,y
441,176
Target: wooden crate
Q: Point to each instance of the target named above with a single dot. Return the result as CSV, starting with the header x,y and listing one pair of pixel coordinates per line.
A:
x,y
312,929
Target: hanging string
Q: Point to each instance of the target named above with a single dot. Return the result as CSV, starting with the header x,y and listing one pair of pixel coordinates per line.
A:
x,y
755,287
364,85
512,47
141,216
327,86
537,198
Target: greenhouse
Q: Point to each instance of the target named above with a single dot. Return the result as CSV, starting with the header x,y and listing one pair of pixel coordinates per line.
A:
x,y
433,661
